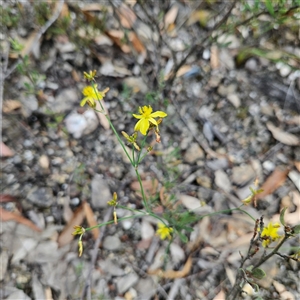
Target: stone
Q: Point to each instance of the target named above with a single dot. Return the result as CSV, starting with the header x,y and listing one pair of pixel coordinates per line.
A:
x,y
242,175
193,153
111,242
222,181
126,282
234,100
65,100
41,197
100,192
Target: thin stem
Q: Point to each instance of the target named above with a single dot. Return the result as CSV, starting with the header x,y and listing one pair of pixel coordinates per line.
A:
x,y
112,221
142,190
145,213
112,126
275,250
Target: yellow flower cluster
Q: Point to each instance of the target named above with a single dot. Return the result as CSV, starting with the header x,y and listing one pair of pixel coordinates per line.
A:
x,y
79,230
92,95
270,234
164,231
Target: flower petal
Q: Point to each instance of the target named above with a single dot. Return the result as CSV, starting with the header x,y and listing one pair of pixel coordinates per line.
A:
x,y
137,116
153,121
137,125
159,113
83,101
144,126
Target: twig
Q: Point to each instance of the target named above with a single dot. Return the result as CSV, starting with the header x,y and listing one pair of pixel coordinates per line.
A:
x,y
263,13
39,35
201,45
202,143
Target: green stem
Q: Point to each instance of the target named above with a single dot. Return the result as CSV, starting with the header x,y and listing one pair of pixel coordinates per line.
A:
x,y
275,250
112,127
145,213
112,221
142,190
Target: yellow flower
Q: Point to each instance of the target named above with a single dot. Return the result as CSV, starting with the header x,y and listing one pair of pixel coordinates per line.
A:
x,y
78,230
90,76
114,200
92,95
164,231
270,234
146,118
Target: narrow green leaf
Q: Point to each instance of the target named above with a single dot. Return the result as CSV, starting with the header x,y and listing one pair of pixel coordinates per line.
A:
x,y
270,7
282,216
296,229
258,273
183,237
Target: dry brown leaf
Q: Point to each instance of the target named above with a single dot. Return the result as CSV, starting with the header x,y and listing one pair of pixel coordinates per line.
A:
x,y
282,136
66,236
90,217
117,37
48,293
297,165
103,120
5,151
184,69
6,215
126,15
170,274
64,10
7,198
273,182
29,43
11,105
171,16
214,57
220,296
137,44
92,7
75,75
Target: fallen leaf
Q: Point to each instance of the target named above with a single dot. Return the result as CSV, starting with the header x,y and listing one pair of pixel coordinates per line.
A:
x,y
64,13
66,236
7,198
117,36
220,296
214,57
91,220
137,44
6,215
126,15
29,43
282,136
297,165
93,7
170,274
75,75
5,151
184,69
171,16
273,182
11,105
